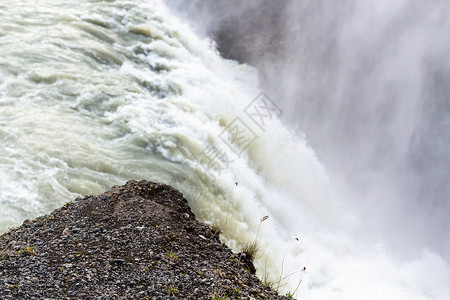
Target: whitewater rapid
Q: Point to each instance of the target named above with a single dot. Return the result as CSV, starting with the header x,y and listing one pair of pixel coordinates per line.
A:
x,y
95,93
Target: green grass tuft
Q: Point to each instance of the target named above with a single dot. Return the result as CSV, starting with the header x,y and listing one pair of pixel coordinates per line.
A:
x,y
251,249
27,251
171,255
173,290
290,295
218,296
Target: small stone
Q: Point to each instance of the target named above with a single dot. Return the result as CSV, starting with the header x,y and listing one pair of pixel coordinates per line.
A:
x,y
65,232
117,261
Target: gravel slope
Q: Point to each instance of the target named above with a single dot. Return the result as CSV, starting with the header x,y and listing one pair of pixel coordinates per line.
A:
x,y
136,241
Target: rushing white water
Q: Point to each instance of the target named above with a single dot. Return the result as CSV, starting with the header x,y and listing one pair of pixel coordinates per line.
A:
x,y
94,93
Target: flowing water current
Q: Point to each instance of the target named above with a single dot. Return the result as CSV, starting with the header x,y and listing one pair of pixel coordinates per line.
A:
x,y
95,93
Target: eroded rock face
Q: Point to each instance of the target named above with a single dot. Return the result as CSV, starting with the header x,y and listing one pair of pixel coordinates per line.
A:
x,y
140,240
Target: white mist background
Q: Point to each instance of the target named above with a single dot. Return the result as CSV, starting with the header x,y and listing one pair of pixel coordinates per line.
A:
x,y
368,83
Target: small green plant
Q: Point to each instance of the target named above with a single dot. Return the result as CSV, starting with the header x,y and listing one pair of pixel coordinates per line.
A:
x,y
216,230
4,257
251,250
171,255
17,286
27,251
237,288
290,295
172,290
302,271
269,283
218,296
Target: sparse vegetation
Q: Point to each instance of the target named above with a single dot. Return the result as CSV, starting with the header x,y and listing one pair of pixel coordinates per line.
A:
x,y
251,250
303,270
175,258
290,295
172,289
218,296
265,278
27,251
300,280
216,230
17,286
171,255
282,262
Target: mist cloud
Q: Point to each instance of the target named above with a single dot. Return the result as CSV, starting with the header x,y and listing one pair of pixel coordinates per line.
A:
x,y
368,82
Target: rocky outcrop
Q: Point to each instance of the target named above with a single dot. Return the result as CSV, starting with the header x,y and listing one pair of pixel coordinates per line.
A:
x,y
137,241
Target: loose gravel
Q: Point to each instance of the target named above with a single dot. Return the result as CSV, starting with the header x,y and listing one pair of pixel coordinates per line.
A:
x,y
137,241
